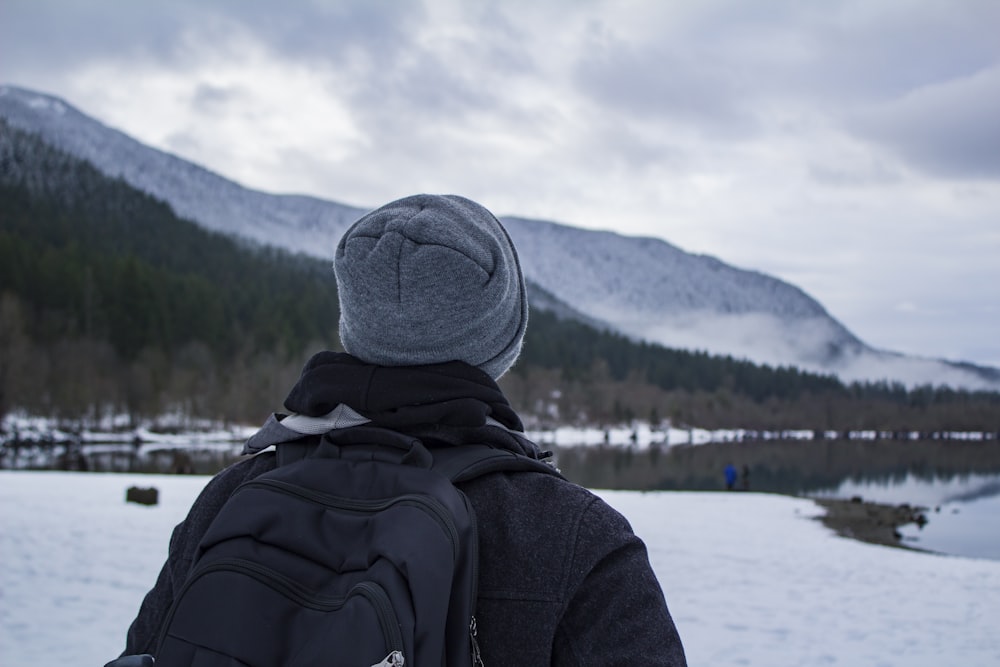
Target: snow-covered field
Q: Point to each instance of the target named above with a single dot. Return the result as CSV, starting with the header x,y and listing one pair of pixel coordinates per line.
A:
x,y
751,579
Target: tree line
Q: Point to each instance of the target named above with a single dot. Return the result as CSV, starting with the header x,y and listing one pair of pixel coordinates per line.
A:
x,y
111,304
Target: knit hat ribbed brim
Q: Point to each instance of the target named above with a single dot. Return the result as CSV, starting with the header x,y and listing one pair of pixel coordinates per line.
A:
x,y
429,279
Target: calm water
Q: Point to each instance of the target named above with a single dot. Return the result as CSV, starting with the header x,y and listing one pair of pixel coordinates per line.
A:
x,y
963,511
959,482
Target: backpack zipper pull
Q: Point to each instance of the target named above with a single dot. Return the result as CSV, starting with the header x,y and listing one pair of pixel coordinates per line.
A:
x,y
477,657
394,659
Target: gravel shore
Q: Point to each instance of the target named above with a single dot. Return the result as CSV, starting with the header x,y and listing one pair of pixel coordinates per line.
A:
x,y
870,522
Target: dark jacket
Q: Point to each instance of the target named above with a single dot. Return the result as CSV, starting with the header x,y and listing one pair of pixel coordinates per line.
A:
x,y
563,580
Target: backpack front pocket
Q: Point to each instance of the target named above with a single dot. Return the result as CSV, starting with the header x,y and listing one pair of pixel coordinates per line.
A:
x,y
290,624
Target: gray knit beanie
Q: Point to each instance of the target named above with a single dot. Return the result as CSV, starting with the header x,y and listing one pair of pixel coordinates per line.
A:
x,y
429,279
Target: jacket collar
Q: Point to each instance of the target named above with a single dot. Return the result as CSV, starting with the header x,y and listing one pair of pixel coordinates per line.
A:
x,y
444,404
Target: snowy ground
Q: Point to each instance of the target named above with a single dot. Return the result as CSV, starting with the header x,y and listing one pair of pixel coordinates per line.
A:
x,y
750,578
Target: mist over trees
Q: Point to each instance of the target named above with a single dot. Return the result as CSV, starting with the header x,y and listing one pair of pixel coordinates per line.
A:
x,y
110,304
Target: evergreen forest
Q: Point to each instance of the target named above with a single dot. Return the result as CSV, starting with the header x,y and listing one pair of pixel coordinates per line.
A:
x,y
112,305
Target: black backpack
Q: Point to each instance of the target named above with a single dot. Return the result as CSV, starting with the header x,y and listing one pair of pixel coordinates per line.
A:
x,y
360,553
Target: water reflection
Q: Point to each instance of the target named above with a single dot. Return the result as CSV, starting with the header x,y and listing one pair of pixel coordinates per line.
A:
x,y
928,492
962,528
962,510
191,458
958,482
778,467
893,471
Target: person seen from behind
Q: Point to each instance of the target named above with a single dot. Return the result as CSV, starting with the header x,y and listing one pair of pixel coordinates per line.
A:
x,y
433,312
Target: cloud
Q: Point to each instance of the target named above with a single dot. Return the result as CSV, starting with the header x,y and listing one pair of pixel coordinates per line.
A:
x,y
948,129
378,30
869,173
869,52
209,98
661,80
801,139
114,28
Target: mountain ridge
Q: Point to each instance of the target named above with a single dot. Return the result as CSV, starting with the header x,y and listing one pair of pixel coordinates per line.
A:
x,y
642,287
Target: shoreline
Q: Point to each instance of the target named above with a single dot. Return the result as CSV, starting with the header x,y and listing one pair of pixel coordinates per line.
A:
x,y
874,523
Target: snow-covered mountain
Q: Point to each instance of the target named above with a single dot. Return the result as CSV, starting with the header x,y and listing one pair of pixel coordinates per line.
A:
x,y
300,223
652,290
642,287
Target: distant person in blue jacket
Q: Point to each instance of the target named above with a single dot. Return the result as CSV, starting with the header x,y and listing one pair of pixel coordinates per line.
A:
x,y
730,476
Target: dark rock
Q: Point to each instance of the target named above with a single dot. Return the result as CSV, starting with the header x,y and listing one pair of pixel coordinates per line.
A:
x,y
148,496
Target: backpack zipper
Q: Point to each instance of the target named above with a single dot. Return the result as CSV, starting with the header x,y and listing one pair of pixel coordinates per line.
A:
x,y
477,658
386,617
433,506
394,659
296,592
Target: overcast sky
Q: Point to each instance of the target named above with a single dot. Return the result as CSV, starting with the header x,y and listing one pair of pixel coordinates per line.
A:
x,y
849,147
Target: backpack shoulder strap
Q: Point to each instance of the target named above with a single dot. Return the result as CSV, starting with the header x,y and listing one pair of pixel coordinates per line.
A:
x,y
464,462
459,463
295,450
